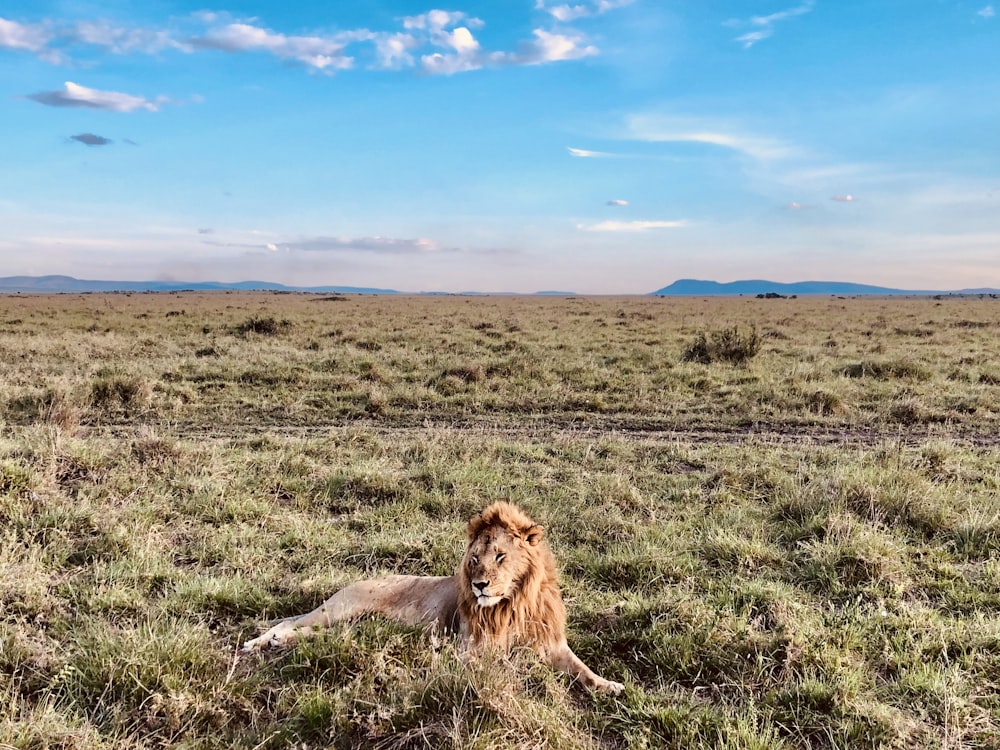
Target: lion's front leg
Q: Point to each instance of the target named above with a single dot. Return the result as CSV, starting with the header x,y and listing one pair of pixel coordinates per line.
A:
x,y
562,658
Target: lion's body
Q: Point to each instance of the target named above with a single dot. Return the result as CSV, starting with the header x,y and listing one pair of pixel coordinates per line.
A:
x,y
505,593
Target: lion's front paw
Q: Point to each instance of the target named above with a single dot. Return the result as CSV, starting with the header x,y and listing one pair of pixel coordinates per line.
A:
x,y
610,687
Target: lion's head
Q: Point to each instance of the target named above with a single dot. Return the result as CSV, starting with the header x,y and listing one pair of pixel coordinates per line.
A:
x,y
508,590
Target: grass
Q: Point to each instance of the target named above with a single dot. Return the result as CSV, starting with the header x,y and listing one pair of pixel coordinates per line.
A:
x,y
292,360
829,578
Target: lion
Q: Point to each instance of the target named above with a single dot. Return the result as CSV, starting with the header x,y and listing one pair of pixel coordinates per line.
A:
x,y
505,593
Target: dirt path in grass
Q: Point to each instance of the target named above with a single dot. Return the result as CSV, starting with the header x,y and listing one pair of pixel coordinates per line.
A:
x,y
569,427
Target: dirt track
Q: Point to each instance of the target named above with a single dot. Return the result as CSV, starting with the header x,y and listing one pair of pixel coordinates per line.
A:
x,y
569,427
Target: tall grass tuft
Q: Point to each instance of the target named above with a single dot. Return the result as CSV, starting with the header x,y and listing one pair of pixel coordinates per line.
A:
x,y
726,345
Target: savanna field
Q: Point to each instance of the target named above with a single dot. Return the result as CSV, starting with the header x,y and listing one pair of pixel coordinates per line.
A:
x,y
777,520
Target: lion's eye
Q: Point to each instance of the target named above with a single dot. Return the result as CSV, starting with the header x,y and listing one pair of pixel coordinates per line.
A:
x,y
500,557
475,559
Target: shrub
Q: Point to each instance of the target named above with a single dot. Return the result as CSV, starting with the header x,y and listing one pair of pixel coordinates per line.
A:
x,y
263,326
729,345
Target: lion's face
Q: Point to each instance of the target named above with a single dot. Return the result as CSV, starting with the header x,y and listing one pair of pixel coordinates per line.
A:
x,y
495,563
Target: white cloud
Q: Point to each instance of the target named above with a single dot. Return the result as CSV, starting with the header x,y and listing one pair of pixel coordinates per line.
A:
x,y
630,226
568,12
383,245
751,38
466,54
121,40
446,39
684,130
320,53
987,12
783,14
74,95
436,20
31,37
582,153
545,48
763,26
617,202
848,198
392,51
552,47
565,12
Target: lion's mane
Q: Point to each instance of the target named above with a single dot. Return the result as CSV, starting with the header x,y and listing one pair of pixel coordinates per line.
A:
x,y
533,613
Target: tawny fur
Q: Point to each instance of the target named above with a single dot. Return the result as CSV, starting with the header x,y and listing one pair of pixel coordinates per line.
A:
x,y
504,593
533,614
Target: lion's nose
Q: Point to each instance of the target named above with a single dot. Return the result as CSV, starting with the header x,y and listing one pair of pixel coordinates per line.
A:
x,y
481,586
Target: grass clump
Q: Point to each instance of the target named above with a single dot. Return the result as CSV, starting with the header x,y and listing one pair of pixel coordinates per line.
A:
x,y
726,345
887,370
262,326
115,391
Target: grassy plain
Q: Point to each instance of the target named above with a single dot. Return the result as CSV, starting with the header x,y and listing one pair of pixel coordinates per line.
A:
x,y
800,551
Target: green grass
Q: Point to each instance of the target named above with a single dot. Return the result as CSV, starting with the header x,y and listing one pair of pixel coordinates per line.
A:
x,y
763,567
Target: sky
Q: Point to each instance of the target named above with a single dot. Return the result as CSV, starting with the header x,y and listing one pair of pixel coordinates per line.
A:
x,y
594,146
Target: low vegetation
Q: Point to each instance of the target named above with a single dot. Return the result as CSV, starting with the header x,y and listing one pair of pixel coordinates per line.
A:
x,y
784,554
725,345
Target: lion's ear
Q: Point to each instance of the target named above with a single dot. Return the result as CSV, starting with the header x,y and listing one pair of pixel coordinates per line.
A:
x,y
475,526
534,535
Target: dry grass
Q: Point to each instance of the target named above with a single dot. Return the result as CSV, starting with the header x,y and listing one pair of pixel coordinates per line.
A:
x,y
267,359
169,482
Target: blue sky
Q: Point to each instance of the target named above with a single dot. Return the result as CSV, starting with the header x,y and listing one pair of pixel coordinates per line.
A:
x,y
596,146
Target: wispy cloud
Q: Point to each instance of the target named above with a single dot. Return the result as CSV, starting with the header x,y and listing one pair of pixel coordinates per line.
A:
x,y
667,129
381,245
319,53
437,20
49,38
376,245
30,37
91,139
582,153
987,12
847,198
566,12
74,95
617,202
763,26
630,226
121,40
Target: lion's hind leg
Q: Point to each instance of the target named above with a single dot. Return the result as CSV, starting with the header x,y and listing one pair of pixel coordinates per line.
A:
x,y
402,598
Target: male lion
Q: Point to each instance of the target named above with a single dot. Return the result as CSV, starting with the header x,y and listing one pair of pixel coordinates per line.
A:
x,y
505,593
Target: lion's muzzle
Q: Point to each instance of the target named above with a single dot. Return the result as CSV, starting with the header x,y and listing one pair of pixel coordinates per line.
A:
x,y
481,591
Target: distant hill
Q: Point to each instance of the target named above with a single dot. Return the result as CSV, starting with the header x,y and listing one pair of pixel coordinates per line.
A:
x,y
696,288
51,284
